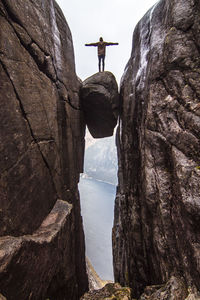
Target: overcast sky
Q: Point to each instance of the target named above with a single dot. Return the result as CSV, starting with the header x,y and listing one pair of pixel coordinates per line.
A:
x,y
114,20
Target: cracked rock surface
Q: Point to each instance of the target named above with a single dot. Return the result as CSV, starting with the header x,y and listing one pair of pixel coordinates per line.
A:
x,y
156,229
42,128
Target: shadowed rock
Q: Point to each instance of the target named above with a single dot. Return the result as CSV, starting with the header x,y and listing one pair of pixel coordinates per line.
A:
x,y
38,266
156,229
41,140
100,103
175,288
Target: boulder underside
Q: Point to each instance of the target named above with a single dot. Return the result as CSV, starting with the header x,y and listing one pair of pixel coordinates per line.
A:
x,y
100,103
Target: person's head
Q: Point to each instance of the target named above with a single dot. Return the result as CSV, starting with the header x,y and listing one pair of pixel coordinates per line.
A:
x,y
101,39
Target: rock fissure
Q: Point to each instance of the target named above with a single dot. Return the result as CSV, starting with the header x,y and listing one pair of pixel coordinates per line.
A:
x,y
175,97
17,96
30,129
12,19
42,62
7,10
5,171
178,147
40,57
65,95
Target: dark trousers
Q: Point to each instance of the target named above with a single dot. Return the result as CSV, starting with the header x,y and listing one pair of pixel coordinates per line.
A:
x,y
101,58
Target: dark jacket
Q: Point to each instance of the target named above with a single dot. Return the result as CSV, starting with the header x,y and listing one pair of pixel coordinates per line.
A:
x,y
101,47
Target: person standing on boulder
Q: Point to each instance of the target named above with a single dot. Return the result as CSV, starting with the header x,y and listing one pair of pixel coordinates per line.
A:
x,y
101,51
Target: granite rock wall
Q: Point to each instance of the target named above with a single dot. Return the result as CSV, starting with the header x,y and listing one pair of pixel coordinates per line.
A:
x,y
156,231
41,144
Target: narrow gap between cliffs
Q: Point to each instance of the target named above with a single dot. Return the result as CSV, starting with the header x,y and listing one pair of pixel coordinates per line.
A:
x,y
97,193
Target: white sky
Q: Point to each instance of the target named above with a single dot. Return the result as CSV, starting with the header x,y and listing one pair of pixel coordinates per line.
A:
x,y
114,20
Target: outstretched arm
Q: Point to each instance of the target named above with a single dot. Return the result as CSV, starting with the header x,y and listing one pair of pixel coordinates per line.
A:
x,y
92,44
111,44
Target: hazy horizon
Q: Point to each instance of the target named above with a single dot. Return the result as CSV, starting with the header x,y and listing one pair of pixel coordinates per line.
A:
x,y
114,20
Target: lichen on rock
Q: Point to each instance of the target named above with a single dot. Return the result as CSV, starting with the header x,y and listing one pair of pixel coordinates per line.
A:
x,y
156,233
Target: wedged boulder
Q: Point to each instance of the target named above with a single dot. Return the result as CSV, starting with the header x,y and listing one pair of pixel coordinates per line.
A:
x,y
157,212
100,104
41,265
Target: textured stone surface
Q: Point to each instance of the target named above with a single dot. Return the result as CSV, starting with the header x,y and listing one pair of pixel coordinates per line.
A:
x,y
193,295
100,103
43,259
110,291
95,282
42,128
156,229
40,131
174,289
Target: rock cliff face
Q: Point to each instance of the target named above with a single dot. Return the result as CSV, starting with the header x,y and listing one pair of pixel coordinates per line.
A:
x,y
100,103
41,154
156,230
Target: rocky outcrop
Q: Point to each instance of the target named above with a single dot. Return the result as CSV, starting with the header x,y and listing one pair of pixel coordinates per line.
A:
x,y
95,282
110,291
100,103
36,258
156,233
42,145
175,288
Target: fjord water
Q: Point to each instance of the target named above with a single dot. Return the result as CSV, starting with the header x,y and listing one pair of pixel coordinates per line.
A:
x,y
97,209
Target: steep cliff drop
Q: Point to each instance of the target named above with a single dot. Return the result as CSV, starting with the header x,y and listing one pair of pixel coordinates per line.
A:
x,y
42,252
156,233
